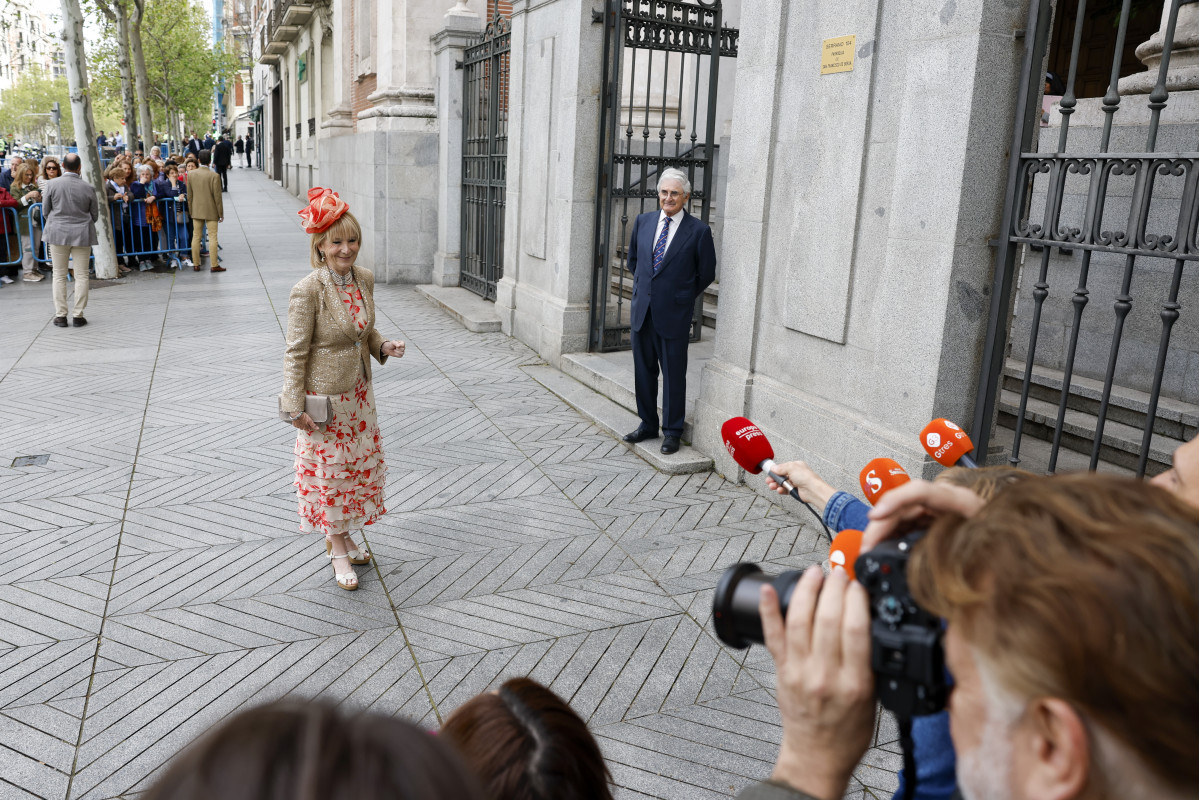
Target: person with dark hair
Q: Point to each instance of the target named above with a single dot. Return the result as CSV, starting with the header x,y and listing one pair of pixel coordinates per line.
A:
x,y
222,159
525,743
250,149
291,751
70,209
240,148
207,211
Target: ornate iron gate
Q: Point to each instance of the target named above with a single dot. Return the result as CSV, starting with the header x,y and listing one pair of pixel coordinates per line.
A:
x,y
1093,212
660,75
485,70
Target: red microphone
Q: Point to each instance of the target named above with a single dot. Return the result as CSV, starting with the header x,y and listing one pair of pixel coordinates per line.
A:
x,y
881,476
947,444
750,448
844,551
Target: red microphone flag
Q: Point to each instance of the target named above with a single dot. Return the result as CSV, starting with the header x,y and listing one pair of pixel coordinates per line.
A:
x,y
747,444
945,442
881,476
844,550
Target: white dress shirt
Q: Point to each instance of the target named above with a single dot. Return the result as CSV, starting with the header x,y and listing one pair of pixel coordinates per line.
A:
x,y
674,228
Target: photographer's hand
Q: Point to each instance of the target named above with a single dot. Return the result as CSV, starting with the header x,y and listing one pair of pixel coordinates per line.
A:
x,y
811,487
825,685
913,504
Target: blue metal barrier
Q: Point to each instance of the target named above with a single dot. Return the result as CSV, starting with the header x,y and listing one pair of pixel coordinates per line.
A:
x,y
35,221
10,253
134,240
137,241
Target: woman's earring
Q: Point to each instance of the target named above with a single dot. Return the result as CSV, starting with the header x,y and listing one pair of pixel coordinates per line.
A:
x,y
322,257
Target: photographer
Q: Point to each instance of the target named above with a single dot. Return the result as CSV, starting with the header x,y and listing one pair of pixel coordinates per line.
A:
x,y
1062,689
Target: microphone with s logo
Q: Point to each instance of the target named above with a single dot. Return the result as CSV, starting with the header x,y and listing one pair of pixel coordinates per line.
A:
x,y
880,476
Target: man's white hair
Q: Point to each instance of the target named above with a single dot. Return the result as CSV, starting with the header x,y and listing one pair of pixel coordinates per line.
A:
x,y
672,174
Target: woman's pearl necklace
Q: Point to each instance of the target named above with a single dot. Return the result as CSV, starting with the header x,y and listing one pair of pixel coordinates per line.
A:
x,y
339,280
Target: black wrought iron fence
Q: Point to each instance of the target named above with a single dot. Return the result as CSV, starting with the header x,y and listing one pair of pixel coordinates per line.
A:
x,y
1107,210
485,70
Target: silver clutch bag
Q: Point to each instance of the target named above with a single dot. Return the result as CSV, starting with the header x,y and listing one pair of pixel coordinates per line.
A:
x,y
317,406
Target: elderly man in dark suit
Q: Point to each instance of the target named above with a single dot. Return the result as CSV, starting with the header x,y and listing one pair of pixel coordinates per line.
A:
x,y
70,210
673,259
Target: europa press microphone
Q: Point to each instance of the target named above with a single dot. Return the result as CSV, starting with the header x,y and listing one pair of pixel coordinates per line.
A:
x,y
750,448
947,443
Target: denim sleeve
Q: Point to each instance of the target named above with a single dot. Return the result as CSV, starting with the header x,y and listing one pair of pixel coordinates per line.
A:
x,y
936,762
844,511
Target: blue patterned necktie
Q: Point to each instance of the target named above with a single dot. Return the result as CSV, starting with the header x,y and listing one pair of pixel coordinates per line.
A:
x,y
660,247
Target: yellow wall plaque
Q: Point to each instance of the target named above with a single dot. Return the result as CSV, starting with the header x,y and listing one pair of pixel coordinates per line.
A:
x,y
837,55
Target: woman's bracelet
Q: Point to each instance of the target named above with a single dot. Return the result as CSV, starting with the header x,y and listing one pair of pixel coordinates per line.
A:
x,y
296,415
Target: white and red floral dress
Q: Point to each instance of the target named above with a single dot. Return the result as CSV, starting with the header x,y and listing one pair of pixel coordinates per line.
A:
x,y
340,471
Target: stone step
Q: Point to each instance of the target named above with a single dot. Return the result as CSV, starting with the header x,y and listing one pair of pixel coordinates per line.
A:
x,y
1121,442
475,313
617,420
1175,419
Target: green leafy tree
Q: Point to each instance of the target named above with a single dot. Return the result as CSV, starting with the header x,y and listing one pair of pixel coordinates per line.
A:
x,y
182,65
34,94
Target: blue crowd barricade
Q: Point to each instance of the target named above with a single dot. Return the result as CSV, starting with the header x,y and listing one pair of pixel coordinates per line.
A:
x,y
10,253
36,223
136,238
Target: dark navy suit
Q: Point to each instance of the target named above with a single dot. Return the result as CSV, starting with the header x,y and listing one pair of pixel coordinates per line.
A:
x,y
661,307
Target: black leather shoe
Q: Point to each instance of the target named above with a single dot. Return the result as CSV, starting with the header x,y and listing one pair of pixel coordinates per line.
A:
x,y
670,445
640,435
80,322
60,322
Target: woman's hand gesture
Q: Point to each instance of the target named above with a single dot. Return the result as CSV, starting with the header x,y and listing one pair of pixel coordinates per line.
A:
x,y
394,349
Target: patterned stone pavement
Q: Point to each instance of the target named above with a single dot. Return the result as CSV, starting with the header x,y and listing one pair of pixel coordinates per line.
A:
x,y
156,580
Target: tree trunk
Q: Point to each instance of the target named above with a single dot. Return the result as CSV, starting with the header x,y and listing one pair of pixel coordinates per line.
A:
x,y
122,64
85,133
140,81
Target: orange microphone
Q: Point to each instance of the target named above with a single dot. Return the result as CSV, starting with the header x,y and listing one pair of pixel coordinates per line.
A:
x,y
947,444
844,551
880,476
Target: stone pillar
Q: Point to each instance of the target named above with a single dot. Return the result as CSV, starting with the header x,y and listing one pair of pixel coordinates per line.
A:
x,y
1183,72
462,27
338,117
403,69
553,135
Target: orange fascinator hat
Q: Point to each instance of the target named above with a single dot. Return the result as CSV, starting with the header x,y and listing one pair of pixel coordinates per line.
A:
x,y
323,209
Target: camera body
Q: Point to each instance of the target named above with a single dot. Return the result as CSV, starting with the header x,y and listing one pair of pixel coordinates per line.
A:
x,y
907,649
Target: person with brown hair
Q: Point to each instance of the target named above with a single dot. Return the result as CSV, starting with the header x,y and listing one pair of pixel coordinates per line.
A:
x,y
1072,609
525,743
293,751
331,338
25,190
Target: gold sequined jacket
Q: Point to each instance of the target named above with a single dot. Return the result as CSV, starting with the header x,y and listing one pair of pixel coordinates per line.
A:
x,y
324,347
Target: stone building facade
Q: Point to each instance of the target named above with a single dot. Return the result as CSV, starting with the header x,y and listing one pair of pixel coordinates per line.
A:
x,y
856,210
27,41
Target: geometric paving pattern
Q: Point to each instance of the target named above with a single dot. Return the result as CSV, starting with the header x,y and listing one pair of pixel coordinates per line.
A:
x,y
156,579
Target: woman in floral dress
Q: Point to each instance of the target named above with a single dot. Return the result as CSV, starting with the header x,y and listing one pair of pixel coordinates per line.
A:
x,y
331,338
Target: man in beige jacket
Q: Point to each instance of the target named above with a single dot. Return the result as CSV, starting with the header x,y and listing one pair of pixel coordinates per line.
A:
x,y
204,202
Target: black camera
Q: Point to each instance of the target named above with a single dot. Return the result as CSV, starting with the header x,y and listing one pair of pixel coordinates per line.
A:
x,y
907,652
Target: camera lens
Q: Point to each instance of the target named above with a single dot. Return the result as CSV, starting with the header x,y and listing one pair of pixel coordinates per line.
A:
x,y
735,603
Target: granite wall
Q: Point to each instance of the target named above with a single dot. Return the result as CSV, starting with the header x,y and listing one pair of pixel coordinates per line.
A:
x,y
856,275
389,179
